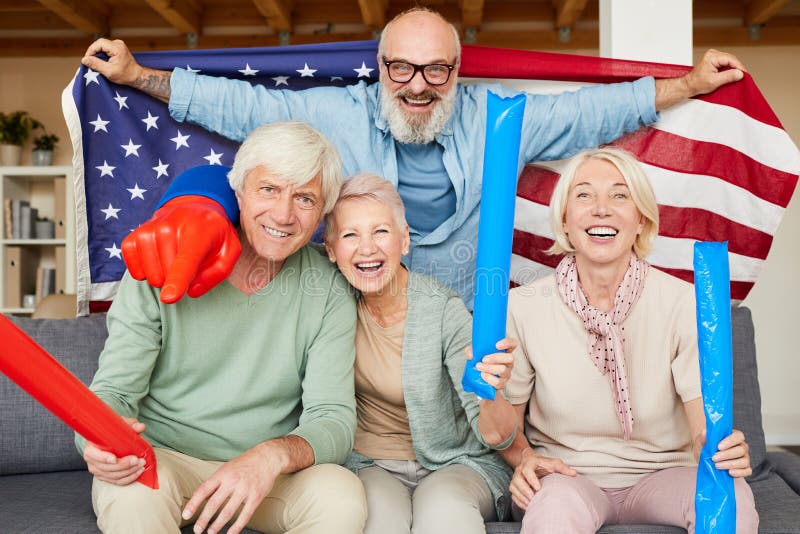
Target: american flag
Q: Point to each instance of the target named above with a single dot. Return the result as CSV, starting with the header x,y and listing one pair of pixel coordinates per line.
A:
x,y
722,166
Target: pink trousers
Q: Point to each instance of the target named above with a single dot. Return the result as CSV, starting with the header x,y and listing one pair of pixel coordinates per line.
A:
x,y
666,497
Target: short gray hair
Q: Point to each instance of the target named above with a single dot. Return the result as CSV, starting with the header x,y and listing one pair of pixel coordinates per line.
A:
x,y
420,9
371,187
641,192
292,151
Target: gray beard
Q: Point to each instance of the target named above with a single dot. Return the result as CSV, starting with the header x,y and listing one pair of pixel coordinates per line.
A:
x,y
420,131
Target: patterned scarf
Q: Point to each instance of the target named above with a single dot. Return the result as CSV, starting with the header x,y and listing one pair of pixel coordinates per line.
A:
x,y
606,340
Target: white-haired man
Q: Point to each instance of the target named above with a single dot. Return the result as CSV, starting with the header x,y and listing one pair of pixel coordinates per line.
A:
x,y
246,394
418,128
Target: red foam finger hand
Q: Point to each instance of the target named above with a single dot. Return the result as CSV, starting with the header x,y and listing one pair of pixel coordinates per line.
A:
x,y
174,246
51,384
217,267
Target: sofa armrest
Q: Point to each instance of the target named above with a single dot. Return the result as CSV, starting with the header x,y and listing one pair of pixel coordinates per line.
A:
x,y
787,466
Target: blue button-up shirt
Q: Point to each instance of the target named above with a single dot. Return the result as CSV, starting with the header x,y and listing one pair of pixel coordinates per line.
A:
x,y
554,127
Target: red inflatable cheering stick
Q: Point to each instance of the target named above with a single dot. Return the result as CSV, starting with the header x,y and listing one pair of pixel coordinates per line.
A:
x,y
42,377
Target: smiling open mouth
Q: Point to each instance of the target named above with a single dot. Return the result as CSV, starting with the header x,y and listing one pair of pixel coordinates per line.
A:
x,y
602,231
275,233
369,267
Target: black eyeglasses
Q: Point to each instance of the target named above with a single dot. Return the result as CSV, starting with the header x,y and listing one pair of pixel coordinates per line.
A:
x,y
404,72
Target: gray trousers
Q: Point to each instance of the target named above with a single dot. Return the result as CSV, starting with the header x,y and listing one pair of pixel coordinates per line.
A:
x,y
403,497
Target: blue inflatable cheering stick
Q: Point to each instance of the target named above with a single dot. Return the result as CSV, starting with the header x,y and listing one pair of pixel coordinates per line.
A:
x,y
715,502
495,232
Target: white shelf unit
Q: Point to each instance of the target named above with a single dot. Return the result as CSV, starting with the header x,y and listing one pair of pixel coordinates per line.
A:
x,y
37,186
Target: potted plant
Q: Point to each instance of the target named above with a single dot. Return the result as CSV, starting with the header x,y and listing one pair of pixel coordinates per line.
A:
x,y
43,147
15,128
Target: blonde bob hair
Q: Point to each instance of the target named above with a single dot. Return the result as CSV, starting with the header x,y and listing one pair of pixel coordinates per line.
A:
x,y
638,183
370,187
292,151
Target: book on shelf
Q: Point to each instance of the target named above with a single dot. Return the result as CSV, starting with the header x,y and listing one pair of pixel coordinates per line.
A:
x,y
7,219
45,282
27,222
16,217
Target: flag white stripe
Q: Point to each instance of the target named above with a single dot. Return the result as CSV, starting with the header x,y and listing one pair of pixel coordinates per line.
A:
x,y
532,218
714,123
678,253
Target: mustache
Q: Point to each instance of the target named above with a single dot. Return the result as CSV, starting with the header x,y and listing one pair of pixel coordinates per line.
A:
x,y
427,93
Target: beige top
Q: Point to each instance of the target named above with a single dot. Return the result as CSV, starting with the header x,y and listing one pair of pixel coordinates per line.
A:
x,y
382,430
571,408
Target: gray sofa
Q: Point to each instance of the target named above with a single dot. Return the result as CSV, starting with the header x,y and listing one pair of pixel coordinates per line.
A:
x,y
45,488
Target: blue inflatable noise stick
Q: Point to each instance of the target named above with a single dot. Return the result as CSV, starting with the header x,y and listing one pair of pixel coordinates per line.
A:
x,y
715,502
495,232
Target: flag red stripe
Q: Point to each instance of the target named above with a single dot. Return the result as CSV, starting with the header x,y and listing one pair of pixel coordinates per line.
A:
x,y
489,62
536,184
677,153
532,247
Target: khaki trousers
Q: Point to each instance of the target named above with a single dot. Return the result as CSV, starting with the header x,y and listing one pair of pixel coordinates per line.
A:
x,y
320,499
403,497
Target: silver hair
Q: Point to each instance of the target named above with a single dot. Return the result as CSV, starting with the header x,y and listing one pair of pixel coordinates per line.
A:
x,y
371,187
292,151
638,183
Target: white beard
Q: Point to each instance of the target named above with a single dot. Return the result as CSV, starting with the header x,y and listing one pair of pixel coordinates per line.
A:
x,y
424,129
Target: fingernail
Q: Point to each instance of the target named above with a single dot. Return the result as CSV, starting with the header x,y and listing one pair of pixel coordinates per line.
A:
x,y
197,529
186,515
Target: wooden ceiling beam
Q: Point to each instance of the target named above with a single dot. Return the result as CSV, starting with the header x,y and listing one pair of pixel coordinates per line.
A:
x,y
471,13
568,12
81,15
277,12
760,11
373,13
181,14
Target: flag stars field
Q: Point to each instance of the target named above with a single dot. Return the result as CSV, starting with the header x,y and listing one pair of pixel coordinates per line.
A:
x,y
161,169
105,169
306,72
151,121
131,149
363,71
91,77
111,212
180,140
121,100
137,192
213,158
114,251
247,71
99,124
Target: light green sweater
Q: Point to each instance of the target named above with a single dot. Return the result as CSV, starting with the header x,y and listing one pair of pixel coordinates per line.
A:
x,y
212,377
443,418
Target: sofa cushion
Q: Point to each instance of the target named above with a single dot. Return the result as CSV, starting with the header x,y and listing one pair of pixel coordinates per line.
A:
x,y
32,439
53,503
746,393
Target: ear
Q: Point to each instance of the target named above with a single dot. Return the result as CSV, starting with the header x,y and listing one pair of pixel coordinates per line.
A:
x,y
642,222
406,241
238,199
329,250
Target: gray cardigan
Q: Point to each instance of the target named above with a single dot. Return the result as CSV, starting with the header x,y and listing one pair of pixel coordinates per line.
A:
x,y
442,417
